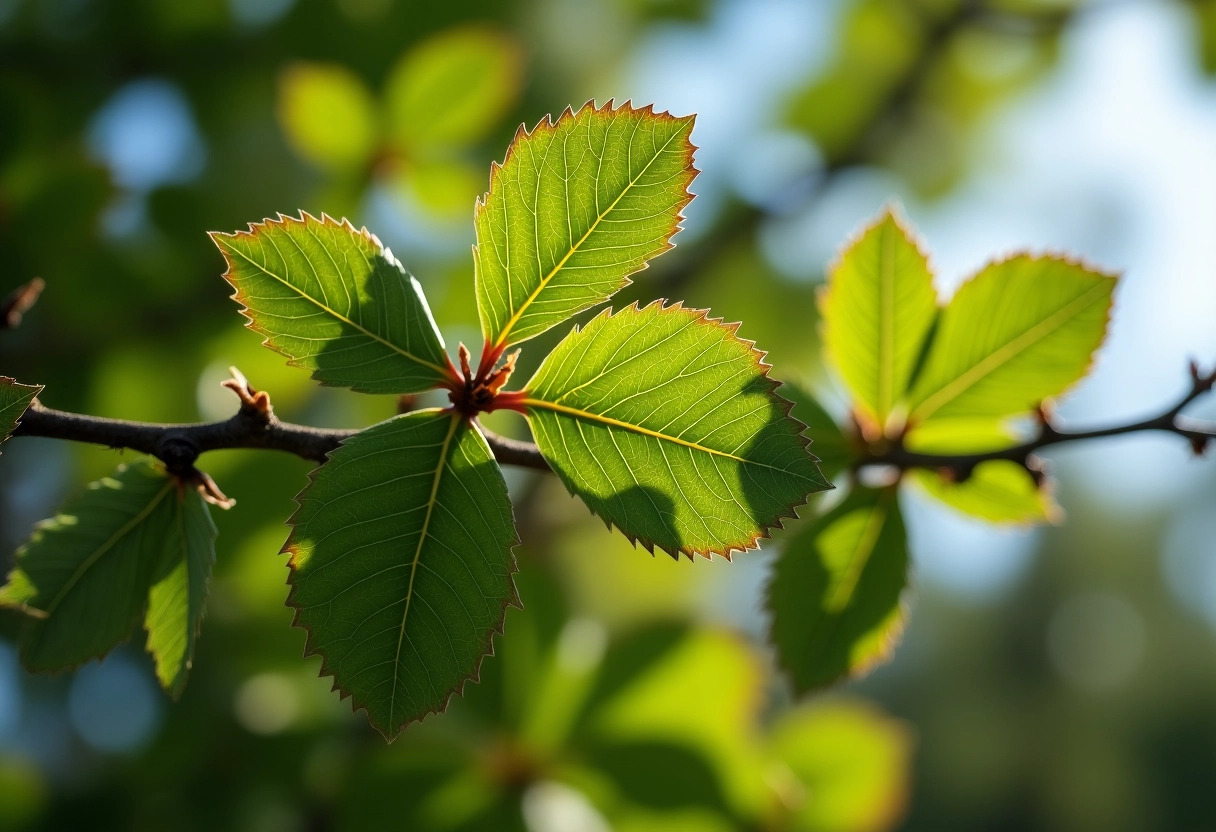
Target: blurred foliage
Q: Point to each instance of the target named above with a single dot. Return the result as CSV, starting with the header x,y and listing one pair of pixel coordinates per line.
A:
x,y
586,706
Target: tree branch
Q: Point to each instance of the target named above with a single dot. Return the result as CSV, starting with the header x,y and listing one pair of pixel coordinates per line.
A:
x,y
253,426
960,466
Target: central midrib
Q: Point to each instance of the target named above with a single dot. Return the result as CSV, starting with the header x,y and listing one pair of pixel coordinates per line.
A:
x,y
1002,355
608,420
107,546
338,315
426,524
544,281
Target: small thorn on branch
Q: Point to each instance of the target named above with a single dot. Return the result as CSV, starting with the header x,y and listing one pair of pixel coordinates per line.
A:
x,y
20,301
255,403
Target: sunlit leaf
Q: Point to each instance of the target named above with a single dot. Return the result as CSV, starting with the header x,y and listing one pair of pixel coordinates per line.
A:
x,y
576,207
827,441
179,590
401,564
14,399
88,574
451,89
336,302
850,765
877,310
666,424
1022,330
328,115
835,592
999,491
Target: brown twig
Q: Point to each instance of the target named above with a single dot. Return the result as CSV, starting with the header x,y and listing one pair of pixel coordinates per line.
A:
x,y
18,302
960,466
253,426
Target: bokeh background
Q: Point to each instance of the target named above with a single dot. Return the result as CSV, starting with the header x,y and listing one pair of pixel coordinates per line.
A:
x,y
1058,678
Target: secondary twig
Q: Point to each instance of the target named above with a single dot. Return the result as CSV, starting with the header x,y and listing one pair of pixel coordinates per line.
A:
x,y
960,466
18,302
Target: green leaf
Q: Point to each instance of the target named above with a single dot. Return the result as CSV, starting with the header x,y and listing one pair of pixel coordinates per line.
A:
x,y
334,301
827,440
576,207
852,762
835,592
666,424
998,491
179,590
1022,330
453,88
960,436
328,115
401,564
877,310
86,575
15,398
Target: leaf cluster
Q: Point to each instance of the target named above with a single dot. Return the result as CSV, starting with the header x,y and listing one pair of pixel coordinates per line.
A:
x,y
661,419
958,377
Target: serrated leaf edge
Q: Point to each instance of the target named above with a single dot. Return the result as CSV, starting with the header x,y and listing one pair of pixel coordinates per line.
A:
x,y
281,220
7,381
823,296
549,124
701,316
887,645
389,732
1036,257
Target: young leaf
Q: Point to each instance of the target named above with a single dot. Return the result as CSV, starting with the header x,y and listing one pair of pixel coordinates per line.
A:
x,y
1020,331
179,590
576,207
998,491
877,310
336,302
666,424
452,88
14,399
86,574
835,592
401,564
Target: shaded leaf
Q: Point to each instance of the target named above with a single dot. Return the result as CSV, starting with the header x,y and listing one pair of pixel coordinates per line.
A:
x,y
576,207
401,564
828,442
328,114
336,302
452,88
852,764
14,399
835,591
998,490
86,575
666,424
1020,331
179,590
878,308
